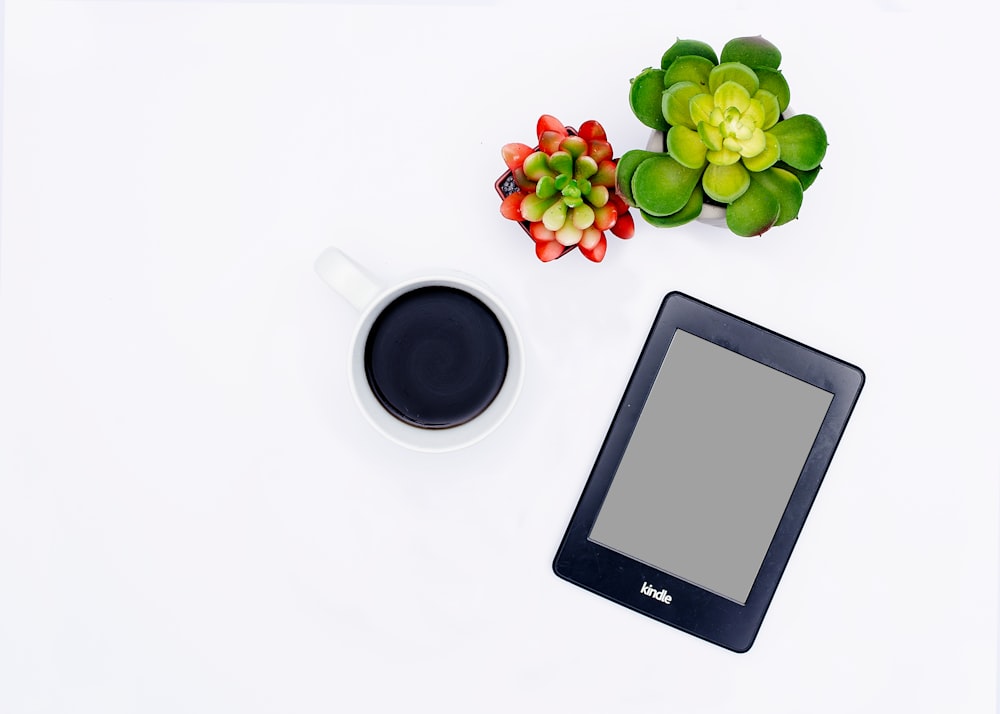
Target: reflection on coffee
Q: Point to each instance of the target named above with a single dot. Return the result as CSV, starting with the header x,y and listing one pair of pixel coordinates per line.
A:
x,y
436,357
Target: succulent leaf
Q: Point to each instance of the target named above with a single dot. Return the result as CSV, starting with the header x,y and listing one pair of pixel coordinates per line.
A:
x,y
546,187
733,72
597,251
605,175
549,141
686,146
688,47
802,140
555,215
773,81
549,250
605,216
645,97
569,234
537,165
510,207
599,150
771,110
785,187
514,154
701,107
806,178
689,68
562,163
547,122
754,212
592,130
725,183
583,216
766,158
661,185
624,226
690,211
598,196
711,136
732,95
751,51
585,167
576,146
533,207
627,165
676,104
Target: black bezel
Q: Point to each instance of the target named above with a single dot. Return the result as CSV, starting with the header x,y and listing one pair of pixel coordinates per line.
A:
x,y
693,609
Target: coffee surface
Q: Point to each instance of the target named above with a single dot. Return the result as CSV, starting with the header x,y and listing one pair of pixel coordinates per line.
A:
x,y
436,357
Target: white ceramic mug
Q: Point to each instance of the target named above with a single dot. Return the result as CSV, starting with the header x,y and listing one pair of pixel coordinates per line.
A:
x,y
371,297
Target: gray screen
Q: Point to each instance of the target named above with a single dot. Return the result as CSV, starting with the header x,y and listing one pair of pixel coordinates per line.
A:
x,y
710,466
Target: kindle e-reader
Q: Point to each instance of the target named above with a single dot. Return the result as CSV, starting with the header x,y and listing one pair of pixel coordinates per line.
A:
x,y
708,471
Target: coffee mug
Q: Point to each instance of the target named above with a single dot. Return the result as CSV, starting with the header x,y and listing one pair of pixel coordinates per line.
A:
x,y
436,362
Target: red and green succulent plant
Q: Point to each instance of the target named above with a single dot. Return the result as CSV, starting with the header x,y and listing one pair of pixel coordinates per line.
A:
x,y
729,138
566,192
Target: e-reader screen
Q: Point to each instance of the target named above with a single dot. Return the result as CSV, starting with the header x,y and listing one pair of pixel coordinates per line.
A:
x,y
710,466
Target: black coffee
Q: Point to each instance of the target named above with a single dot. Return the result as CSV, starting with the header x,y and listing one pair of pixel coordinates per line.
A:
x,y
436,357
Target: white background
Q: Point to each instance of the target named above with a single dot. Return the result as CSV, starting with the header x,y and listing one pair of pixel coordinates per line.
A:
x,y
193,515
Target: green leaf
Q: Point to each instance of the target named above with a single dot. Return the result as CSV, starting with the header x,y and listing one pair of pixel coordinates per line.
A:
x,y
533,207
806,178
561,162
754,212
585,167
733,72
583,216
773,81
766,158
701,106
554,216
690,68
751,51
686,146
536,165
771,109
662,186
546,187
681,48
710,135
785,187
802,140
676,104
755,145
645,96
627,165
690,211
732,94
725,183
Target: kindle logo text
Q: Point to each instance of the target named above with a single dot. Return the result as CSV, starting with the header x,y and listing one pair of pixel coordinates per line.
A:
x,y
661,595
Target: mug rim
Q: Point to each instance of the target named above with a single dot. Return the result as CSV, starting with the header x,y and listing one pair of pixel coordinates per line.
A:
x,y
453,437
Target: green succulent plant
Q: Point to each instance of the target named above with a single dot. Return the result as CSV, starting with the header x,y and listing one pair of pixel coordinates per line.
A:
x,y
729,138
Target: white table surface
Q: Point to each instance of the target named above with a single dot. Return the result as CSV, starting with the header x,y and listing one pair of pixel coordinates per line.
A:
x,y
195,518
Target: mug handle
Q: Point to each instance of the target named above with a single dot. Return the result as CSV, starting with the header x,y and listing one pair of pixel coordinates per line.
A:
x,y
350,280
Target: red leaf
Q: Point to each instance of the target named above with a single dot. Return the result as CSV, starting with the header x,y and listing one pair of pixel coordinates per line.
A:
x,y
548,250
549,141
523,182
618,202
605,216
592,131
547,122
624,227
510,207
606,173
599,150
540,234
514,154
596,253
